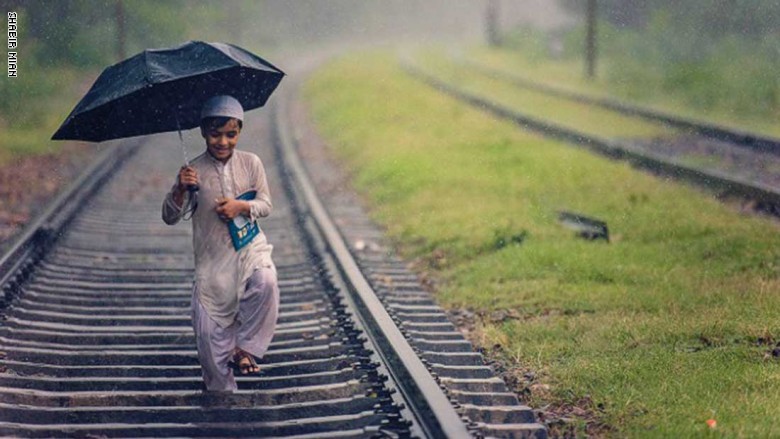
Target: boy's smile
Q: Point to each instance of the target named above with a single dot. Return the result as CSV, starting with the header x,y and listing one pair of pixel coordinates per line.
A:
x,y
220,142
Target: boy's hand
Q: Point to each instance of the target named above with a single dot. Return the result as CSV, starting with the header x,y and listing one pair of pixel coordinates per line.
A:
x,y
187,176
228,208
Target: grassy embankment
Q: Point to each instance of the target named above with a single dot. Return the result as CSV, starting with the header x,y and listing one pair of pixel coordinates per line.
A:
x,y
567,74
664,327
581,117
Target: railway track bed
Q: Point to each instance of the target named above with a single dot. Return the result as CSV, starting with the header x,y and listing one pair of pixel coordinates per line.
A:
x,y
96,337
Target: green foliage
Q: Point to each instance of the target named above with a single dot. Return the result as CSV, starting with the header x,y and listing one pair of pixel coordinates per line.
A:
x,y
720,54
705,20
531,42
61,43
736,75
153,24
84,33
61,31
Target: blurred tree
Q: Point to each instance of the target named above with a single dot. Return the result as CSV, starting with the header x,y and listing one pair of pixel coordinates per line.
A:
x,y
714,53
633,13
714,18
66,35
76,32
62,30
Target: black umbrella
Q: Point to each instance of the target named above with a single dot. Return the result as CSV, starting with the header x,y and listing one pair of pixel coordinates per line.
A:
x,y
162,90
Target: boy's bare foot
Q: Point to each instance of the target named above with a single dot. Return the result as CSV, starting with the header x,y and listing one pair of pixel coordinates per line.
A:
x,y
245,362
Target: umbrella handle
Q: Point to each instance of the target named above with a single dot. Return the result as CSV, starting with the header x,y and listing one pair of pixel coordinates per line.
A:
x,y
192,188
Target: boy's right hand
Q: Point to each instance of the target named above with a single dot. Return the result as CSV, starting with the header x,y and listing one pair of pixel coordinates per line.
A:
x,y
187,176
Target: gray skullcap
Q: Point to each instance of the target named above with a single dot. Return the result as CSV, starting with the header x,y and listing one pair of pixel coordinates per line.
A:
x,y
222,105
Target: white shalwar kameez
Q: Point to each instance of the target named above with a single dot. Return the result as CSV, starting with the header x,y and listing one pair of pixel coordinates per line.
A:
x,y
235,300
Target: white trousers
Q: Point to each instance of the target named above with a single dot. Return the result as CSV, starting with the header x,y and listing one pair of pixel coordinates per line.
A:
x,y
251,331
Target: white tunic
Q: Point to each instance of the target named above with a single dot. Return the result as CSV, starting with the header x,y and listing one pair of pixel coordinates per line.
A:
x,y
221,272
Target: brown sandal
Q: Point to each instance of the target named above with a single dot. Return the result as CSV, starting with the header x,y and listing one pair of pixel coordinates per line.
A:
x,y
245,362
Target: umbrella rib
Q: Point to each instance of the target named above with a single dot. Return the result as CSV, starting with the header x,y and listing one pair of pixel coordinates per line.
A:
x,y
147,74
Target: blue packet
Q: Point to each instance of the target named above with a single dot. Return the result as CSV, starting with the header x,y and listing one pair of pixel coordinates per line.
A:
x,y
242,231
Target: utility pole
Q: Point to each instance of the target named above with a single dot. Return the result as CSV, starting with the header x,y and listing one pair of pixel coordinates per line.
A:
x,y
491,23
120,29
590,41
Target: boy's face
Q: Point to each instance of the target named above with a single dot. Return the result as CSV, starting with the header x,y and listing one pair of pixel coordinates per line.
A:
x,y
221,142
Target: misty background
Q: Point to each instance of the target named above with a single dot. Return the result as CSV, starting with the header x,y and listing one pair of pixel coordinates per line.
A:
x,y
714,52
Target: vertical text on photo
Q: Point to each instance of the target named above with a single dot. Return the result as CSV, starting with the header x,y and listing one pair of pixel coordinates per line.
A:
x,y
13,57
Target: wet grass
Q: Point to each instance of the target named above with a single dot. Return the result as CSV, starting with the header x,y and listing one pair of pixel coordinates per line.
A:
x,y
704,161
663,328
568,75
560,111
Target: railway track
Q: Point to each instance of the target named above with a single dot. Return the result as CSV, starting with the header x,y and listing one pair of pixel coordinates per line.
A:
x,y
737,137
766,197
96,338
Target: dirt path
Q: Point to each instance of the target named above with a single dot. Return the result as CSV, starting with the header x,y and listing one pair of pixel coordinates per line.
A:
x,y
29,183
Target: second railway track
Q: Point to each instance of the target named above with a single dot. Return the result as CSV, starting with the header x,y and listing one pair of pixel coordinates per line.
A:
x,y
96,338
737,137
765,194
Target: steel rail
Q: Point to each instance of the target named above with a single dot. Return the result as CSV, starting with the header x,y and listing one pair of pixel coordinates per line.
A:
x,y
741,138
433,412
616,149
18,261
89,330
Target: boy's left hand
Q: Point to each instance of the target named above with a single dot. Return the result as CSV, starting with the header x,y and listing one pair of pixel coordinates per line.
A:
x,y
229,208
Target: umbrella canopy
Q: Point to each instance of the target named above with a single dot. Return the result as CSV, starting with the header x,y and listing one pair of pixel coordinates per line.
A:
x,y
162,90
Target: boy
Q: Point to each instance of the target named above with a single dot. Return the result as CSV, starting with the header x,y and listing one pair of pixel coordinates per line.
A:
x,y
235,297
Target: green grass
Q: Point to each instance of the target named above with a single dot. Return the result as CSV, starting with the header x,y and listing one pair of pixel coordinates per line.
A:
x,y
702,160
568,74
661,326
581,117
38,102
